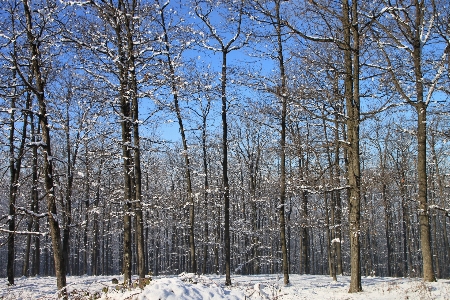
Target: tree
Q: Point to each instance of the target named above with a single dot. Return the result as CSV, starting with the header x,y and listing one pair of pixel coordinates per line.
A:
x,y
123,59
348,40
14,169
411,32
203,9
283,96
37,84
16,151
174,82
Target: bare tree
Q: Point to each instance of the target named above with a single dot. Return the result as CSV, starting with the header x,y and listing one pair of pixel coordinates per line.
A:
x,y
203,9
411,29
37,85
174,86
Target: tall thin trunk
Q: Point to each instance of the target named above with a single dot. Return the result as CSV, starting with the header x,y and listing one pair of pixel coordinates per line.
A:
x,y
67,212
328,233
12,198
407,250
87,188
330,212
441,186
39,90
283,96
206,191
254,212
34,196
338,201
387,227
225,49
305,259
15,166
226,187
174,88
26,264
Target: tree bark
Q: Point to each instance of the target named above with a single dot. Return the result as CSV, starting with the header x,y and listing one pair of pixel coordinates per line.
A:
x,y
125,119
351,65
424,223
133,93
226,187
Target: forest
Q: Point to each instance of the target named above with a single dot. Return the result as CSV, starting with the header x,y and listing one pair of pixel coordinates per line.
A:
x,y
224,137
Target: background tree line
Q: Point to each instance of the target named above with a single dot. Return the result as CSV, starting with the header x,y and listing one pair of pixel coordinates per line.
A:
x,y
311,138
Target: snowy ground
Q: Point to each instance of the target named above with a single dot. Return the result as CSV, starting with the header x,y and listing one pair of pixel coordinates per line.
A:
x,y
188,286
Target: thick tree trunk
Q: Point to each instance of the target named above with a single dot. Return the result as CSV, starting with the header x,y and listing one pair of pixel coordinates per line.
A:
x,y
133,93
351,65
128,172
424,223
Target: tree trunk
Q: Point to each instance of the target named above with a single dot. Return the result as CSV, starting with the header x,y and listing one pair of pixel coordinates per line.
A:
x,y
133,93
226,187
387,227
128,172
424,223
351,64
205,193
305,259
441,186
338,202
67,212
35,198
283,96
86,217
39,89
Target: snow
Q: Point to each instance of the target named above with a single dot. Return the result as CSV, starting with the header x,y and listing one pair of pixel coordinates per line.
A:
x,y
257,287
